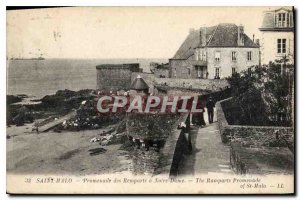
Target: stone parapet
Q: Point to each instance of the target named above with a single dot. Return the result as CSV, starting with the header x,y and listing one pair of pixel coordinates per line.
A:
x,y
257,149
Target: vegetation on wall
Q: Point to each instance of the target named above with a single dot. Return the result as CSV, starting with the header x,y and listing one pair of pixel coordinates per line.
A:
x,y
262,95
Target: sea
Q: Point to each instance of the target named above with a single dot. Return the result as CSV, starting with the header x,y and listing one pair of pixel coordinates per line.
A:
x,y
37,78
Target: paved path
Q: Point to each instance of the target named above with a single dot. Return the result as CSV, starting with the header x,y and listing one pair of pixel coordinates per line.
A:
x,y
210,155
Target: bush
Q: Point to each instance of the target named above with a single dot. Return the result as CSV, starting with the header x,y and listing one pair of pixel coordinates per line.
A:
x,y
262,95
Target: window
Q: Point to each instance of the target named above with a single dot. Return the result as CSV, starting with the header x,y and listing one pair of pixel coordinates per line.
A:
x,y
281,45
217,56
200,71
249,55
217,73
284,20
278,45
175,73
233,70
281,20
233,56
189,71
202,55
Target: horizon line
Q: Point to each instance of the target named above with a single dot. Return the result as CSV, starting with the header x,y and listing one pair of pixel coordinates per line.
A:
x,y
45,58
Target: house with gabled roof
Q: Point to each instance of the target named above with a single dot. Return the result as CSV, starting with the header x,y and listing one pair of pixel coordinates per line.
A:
x,y
277,35
214,52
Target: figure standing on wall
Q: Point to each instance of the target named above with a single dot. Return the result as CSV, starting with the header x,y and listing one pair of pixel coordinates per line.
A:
x,y
210,109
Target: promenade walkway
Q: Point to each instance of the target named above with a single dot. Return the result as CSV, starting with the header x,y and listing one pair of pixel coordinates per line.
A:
x,y
209,155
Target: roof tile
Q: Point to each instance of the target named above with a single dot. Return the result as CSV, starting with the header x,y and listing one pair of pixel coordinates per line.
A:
x,y
223,35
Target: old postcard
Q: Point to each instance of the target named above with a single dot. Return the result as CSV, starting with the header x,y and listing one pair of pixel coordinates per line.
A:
x,y
150,100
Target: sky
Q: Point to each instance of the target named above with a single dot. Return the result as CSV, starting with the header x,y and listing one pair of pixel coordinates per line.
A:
x,y
116,32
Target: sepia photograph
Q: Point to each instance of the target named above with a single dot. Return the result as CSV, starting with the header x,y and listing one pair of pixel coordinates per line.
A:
x,y
150,100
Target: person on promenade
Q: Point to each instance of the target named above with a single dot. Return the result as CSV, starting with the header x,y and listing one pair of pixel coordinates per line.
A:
x,y
201,118
198,118
210,109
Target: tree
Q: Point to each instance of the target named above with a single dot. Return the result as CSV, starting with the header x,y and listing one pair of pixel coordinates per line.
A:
x,y
262,95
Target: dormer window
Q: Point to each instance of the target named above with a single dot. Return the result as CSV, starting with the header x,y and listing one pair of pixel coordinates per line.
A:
x,y
284,19
281,19
289,19
202,55
242,38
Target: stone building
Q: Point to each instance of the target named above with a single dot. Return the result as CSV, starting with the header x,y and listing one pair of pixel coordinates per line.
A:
x,y
277,35
214,52
160,70
113,77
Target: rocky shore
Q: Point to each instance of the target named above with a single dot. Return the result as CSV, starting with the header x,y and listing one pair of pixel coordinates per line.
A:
x,y
99,141
51,107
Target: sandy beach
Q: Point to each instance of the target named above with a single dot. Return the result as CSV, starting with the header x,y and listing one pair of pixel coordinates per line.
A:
x,y
61,153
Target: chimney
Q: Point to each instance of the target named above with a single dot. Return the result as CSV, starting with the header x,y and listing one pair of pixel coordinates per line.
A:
x,y
203,36
200,37
257,41
253,39
240,35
